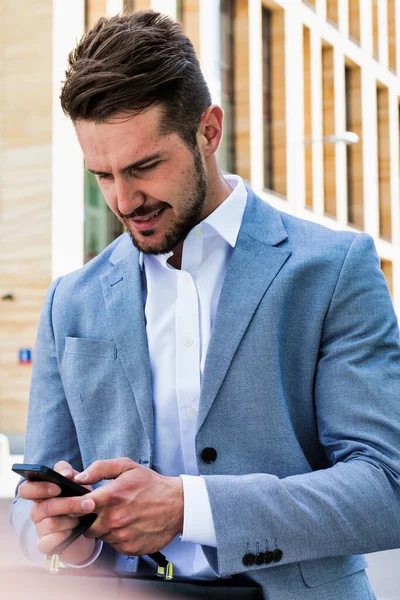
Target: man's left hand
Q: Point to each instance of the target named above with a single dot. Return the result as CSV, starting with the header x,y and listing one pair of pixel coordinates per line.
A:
x,y
139,512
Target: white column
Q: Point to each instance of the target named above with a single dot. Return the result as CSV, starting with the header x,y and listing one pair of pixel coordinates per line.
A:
x,y
294,91
370,152
366,27
209,26
256,97
167,7
320,7
343,12
114,7
67,160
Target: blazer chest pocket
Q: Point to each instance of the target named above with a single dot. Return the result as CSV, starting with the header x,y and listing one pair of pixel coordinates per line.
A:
x,y
90,348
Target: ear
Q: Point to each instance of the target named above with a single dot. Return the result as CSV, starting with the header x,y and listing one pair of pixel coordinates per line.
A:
x,y
210,130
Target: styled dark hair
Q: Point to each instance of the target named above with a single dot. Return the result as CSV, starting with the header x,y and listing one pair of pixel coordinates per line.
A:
x,y
131,62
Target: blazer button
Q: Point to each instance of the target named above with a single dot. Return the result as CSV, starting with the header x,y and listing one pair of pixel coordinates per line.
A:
x,y
260,559
208,455
277,555
249,559
268,557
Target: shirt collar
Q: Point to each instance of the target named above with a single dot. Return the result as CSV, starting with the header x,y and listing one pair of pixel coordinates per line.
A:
x,y
224,221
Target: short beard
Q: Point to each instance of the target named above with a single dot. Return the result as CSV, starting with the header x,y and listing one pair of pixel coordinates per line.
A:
x,y
192,207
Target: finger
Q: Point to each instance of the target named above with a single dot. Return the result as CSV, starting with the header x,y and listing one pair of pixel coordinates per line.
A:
x,y
55,507
55,525
64,468
47,543
38,490
105,469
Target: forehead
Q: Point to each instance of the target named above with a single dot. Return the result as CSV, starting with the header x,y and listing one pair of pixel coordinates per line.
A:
x,y
123,138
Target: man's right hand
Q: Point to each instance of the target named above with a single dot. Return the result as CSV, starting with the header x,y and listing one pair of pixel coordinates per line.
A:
x,y
52,530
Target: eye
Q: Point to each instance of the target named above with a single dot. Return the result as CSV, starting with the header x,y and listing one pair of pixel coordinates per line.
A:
x,y
103,176
146,168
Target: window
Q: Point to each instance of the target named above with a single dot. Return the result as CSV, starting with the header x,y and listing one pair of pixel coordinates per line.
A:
x,y
328,109
94,9
332,12
267,98
354,155
354,20
226,152
101,226
385,209
391,13
387,268
179,10
308,133
274,99
375,28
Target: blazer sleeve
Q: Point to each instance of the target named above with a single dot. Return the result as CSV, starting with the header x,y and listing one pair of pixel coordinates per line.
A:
x,y
352,507
51,434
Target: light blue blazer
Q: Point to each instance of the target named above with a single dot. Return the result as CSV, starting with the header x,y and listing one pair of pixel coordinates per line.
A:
x,y
300,400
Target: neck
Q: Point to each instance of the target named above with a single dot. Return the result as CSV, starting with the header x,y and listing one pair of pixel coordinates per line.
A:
x,y
218,191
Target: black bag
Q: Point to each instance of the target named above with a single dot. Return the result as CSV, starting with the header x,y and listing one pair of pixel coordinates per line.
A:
x,y
234,588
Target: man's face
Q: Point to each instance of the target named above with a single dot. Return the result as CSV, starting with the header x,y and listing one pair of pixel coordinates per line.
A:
x,y
155,185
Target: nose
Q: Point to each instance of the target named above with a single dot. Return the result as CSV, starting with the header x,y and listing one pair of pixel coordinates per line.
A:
x,y
128,197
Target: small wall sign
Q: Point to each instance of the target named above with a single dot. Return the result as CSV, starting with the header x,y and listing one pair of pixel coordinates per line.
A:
x,y
25,356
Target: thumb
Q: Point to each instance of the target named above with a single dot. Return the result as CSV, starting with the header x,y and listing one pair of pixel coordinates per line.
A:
x,y
105,469
64,468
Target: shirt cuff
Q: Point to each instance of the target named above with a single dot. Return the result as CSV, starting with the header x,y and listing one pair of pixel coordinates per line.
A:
x,y
198,524
96,553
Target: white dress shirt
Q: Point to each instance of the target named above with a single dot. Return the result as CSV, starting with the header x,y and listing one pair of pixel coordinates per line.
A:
x,y
180,307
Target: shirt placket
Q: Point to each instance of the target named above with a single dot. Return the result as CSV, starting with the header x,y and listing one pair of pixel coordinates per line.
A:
x,y
188,354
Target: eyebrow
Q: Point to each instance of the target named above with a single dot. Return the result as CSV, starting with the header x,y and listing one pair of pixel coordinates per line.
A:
x,y
135,165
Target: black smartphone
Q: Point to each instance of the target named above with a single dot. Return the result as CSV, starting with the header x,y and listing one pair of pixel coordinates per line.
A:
x,y
68,488
43,473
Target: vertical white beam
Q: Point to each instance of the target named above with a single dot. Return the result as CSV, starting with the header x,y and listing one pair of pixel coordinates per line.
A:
x,y
343,11
209,24
167,7
114,7
294,91
320,7
256,95
67,172
366,27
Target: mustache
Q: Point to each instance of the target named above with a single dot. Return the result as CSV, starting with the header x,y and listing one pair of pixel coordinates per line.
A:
x,y
142,211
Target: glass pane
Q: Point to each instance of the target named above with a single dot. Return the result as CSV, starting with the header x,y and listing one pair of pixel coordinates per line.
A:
x,y
101,226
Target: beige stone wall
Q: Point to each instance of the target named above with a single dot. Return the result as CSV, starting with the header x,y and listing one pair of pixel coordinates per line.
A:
x,y
25,192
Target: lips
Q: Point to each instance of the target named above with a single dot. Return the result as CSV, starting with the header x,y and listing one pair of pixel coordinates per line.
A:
x,y
147,221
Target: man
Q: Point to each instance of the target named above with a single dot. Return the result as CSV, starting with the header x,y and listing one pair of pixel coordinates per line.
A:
x,y
249,358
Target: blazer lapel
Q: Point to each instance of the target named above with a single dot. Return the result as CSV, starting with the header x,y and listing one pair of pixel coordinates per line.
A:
x,y
254,265
123,297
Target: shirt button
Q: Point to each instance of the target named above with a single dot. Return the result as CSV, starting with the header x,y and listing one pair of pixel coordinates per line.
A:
x,y
186,279
192,412
198,232
188,342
